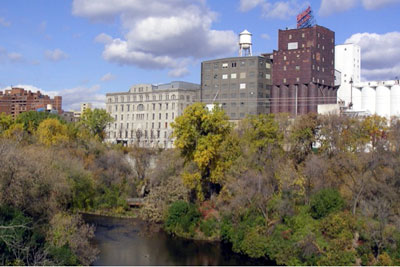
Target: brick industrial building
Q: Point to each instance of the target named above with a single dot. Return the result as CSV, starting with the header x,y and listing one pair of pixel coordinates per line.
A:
x,y
303,70
18,100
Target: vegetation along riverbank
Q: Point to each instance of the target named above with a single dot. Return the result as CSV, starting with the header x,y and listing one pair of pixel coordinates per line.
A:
x,y
313,190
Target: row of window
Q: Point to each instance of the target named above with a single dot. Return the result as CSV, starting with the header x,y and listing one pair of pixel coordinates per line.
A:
x,y
138,134
142,116
142,107
153,125
242,75
241,64
241,86
127,98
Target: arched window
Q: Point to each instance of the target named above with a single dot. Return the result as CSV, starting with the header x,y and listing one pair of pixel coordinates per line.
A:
x,y
173,97
140,107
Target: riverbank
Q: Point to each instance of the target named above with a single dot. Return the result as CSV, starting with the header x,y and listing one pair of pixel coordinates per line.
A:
x,y
128,241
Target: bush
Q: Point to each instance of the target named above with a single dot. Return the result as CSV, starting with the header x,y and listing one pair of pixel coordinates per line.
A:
x,y
182,217
325,202
209,227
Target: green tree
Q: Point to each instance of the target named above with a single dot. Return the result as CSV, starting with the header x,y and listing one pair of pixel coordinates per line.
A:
x,y
5,122
31,119
95,122
200,134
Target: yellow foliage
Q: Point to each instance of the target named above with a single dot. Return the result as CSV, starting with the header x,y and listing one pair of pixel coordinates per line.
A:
x,y
52,132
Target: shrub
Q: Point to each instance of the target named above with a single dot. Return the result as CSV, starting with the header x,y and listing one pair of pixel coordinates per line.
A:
x,y
209,226
182,217
325,202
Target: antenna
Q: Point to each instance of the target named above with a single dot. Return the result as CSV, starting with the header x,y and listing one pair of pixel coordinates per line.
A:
x,y
245,44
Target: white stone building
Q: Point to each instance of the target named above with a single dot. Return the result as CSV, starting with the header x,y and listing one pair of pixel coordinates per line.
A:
x,y
144,114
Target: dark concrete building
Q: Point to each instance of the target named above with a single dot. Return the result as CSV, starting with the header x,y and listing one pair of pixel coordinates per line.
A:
x,y
303,70
242,85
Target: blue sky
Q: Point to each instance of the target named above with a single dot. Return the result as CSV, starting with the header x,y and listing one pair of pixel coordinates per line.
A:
x,y
82,49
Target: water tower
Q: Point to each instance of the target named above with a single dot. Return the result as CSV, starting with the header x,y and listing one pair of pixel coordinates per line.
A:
x,y
245,44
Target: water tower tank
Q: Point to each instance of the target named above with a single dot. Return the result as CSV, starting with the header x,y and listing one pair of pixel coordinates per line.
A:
x,y
368,99
383,101
395,100
245,43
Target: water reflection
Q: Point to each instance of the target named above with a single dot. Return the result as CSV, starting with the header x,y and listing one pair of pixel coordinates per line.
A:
x,y
129,242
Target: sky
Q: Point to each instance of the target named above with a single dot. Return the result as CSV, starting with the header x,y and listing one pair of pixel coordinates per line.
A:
x,y
83,49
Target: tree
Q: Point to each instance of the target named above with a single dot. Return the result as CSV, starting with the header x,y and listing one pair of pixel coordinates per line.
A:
x,y
199,136
5,122
95,122
52,132
31,119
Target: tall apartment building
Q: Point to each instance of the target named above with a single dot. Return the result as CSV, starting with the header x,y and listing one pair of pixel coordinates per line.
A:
x,y
18,100
348,62
303,70
241,85
144,114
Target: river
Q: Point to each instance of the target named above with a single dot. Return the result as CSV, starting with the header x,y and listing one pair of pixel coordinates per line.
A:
x,y
130,242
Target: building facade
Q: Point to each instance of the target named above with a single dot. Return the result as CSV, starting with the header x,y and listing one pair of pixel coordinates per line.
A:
x,y
348,62
18,100
144,114
241,85
303,70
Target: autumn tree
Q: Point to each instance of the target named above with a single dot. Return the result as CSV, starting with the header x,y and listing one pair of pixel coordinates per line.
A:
x,y
52,132
95,122
199,136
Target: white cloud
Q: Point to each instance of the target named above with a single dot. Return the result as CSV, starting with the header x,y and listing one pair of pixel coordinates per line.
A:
x,y
246,5
158,34
15,57
4,22
276,10
178,72
329,7
71,97
103,38
380,54
107,77
375,4
55,55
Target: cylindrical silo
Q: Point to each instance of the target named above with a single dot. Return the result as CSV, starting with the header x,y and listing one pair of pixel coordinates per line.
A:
x,y
302,99
274,99
320,94
356,98
382,107
395,100
283,95
326,94
292,97
368,99
312,96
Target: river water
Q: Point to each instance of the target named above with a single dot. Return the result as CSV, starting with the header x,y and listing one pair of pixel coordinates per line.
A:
x,y
131,242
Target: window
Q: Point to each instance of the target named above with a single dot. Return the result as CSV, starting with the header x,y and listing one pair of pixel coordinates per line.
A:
x,y
140,107
215,65
224,76
242,86
284,57
284,67
297,67
242,95
127,107
224,65
233,64
290,37
284,80
233,75
267,65
215,76
116,107
243,75
122,107
166,116
267,76
242,64
297,79
303,35
166,106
